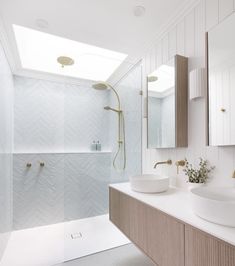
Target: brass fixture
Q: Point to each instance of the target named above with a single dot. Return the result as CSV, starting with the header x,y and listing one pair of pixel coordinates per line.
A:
x,y
121,122
179,163
42,164
233,174
152,78
169,162
65,61
28,165
223,110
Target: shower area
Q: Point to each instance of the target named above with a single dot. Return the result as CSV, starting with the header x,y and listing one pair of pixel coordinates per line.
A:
x,y
70,142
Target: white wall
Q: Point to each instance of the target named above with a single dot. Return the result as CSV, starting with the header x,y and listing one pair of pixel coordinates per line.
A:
x,y
6,131
187,37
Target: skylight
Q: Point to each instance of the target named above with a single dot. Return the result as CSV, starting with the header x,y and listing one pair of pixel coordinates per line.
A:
x,y
39,51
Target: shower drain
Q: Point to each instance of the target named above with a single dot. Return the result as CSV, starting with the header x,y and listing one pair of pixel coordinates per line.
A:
x,y
76,235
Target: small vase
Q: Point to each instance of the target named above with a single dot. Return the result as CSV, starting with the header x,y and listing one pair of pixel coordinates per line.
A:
x,y
194,185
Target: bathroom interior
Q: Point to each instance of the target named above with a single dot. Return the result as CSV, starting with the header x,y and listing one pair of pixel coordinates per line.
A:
x,y
117,136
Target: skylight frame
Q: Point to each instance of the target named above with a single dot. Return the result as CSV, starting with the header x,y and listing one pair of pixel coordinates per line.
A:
x,y
38,51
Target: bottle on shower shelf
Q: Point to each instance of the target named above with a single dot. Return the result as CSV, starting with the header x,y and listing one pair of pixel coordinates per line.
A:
x,y
93,146
98,146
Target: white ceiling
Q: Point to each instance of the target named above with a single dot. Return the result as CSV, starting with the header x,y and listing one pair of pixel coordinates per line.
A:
x,y
109,24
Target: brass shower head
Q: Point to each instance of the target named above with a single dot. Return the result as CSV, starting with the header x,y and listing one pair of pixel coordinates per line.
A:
x,y
65,61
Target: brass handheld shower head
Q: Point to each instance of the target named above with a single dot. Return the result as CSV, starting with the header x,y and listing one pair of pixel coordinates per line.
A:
x,y
121,121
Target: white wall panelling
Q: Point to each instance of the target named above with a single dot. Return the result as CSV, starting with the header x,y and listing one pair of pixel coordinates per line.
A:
x,y
225,8
190,42
172,43
180,31
212,13
165,48
190,38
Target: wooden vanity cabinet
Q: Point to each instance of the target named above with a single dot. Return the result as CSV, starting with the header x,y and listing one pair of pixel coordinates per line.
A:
x,y
158,235
165,239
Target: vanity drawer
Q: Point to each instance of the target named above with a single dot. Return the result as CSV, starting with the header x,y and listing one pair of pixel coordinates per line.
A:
x,y
202,249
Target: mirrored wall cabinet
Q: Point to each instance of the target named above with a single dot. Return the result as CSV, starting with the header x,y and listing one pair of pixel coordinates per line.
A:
x,y
168,104
221,92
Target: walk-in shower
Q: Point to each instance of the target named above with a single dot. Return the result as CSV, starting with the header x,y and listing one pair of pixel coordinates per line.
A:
x,y
121,125
63,205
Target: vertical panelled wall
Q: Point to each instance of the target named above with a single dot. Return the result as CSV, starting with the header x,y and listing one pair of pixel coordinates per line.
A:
x,y
6,129
187,37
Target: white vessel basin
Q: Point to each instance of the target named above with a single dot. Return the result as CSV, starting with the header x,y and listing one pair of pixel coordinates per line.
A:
x,y
149,183
216,205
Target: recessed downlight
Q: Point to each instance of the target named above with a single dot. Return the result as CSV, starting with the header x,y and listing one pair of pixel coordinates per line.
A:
x,y
65,61
42,23
139,11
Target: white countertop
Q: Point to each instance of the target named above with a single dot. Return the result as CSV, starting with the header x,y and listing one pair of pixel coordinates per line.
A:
x,y
176,202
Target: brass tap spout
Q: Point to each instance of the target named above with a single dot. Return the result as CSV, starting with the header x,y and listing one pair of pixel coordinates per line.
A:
x,y
169,162
233,174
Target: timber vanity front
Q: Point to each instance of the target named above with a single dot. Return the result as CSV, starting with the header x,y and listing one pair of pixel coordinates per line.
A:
x,y
164,227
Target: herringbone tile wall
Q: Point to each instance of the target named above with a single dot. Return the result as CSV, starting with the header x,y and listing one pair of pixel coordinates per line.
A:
x,y
87,177
38,192
56,123
131,103
51,117
68,187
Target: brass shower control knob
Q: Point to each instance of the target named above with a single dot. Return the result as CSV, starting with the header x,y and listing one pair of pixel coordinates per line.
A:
x,y
42,164
28,165
180,163
223,110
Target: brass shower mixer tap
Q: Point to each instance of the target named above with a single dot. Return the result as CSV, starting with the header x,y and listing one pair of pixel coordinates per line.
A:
x,y
233,174
178,164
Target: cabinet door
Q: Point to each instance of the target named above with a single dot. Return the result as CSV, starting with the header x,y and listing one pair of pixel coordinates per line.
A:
x,y
138,223
202,249
119,210
158,235
165,238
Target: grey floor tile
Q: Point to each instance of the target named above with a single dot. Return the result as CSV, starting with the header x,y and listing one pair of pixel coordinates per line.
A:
x,y
127,255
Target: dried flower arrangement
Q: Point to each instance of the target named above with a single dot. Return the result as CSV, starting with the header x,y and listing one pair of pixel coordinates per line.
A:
x,y
200,175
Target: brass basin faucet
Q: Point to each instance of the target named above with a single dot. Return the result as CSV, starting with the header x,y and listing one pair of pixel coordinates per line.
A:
x,y
169,162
